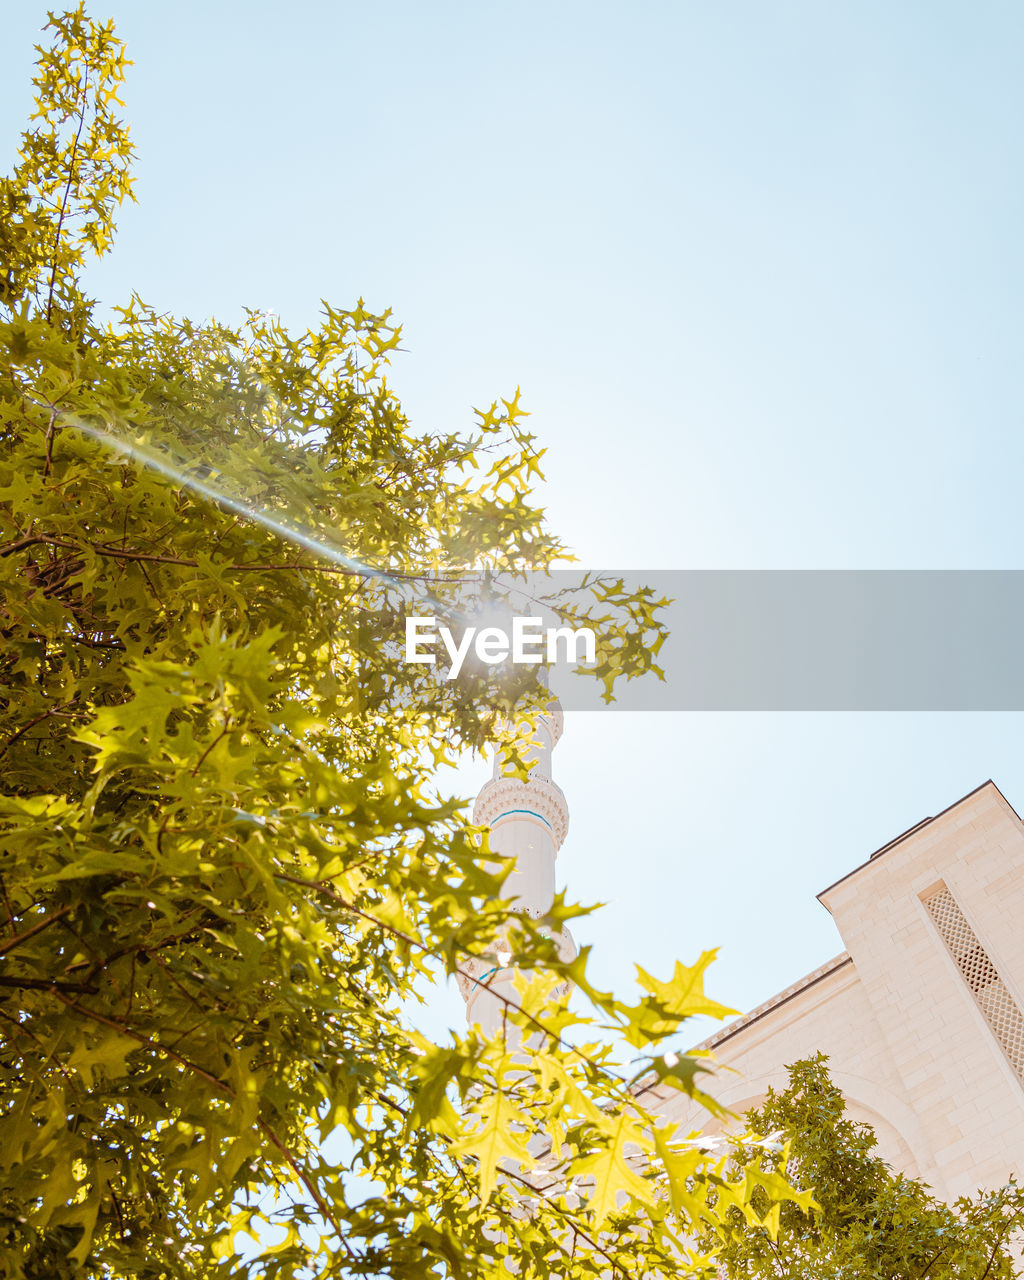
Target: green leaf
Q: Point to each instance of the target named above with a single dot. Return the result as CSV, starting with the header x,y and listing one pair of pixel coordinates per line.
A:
x,y
496,1136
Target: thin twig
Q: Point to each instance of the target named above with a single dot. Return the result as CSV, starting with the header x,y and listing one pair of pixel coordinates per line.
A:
x,y
60,227
329,892
7,904
38,927
117,1210
121,553
45,715
223,733
45,1054
995,1249
539,1191
224,1088
47,984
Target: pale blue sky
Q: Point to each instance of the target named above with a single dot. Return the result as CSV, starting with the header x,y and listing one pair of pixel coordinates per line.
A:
x,y
757,269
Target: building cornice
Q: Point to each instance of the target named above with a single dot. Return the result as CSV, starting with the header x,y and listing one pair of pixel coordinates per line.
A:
x,y
759,1011
913,831
776,1001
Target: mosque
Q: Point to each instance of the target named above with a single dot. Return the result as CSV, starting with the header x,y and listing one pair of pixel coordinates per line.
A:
x,y
921,1015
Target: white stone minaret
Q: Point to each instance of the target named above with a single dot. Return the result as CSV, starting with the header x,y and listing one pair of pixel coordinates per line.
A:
x,y
528,822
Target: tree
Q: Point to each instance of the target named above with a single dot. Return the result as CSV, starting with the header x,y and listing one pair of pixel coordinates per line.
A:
x,y
223,862
869,1222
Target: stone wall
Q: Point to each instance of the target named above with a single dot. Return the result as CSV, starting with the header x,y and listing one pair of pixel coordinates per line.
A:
x,y
924,1033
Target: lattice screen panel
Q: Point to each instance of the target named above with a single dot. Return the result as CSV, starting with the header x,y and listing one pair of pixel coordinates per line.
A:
x,y
996,1003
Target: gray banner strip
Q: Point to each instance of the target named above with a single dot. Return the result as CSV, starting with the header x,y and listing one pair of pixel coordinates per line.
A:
x,y
825,641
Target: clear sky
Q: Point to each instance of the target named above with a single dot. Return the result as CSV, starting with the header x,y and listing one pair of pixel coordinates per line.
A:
x,y
757,269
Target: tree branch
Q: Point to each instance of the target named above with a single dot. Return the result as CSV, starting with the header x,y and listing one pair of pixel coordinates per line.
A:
x,y
222,1087
38,927
59,709
122,553
223,733
995,1249
47,984
56,242
329,892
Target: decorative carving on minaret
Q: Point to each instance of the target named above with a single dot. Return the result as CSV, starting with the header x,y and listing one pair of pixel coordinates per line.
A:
x,y
504,798
554,721
470,976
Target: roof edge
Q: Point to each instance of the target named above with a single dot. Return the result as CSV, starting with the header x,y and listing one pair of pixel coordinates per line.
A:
x,y
911,831
758,1012
778,1000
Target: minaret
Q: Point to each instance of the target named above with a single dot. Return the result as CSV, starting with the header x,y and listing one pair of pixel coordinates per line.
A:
x,y
528,822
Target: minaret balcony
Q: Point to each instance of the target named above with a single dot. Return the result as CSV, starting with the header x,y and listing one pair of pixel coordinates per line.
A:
x,y
503,799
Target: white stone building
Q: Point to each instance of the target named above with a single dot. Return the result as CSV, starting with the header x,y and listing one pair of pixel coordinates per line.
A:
x,y
921,1015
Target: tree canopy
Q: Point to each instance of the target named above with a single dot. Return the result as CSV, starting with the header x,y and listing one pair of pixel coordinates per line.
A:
x,y
223,862
869,1222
